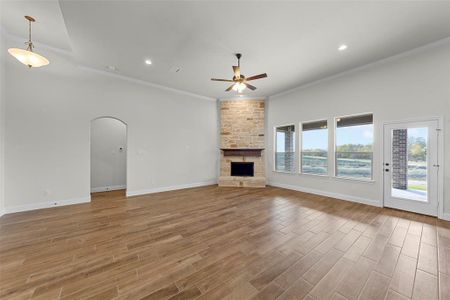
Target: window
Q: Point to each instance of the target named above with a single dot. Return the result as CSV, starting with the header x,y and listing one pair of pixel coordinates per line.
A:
x,y
314,152
285,148
354,146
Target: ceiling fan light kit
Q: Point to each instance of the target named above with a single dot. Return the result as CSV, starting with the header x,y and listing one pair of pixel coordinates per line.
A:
x,y
240,82
27,56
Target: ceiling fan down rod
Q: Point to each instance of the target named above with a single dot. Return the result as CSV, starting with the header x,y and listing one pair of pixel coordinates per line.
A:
x,y
239,55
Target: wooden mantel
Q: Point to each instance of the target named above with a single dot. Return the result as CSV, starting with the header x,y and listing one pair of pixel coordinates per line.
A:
x,y
242,151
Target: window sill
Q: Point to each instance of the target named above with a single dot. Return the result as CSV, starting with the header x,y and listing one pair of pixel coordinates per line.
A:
x,y
283,172
354,179
315,175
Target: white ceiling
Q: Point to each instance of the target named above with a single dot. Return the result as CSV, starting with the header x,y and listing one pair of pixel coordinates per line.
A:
x,y
49,27
293,42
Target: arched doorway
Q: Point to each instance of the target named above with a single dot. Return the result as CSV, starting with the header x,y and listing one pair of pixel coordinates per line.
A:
x,y
108,154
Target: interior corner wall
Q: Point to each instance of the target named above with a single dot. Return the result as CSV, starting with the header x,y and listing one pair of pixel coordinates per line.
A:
x,y
2,118
409,86
172,136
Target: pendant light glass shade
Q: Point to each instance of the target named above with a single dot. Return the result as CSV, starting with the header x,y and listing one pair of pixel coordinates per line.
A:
x,y
27,56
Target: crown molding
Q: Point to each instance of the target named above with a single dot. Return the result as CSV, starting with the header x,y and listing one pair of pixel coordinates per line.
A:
x,y
146,83
70,55
365,66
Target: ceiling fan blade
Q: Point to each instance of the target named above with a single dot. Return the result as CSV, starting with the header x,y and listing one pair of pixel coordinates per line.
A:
x,y
264,75
229,89
226,80
250,86
237,71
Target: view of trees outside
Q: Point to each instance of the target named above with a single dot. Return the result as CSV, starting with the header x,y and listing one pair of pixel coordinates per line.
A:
x,y
314,158
284,158
354,151
417,158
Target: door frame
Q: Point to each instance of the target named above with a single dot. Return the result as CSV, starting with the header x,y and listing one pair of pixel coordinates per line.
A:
x,y
126,145
440,157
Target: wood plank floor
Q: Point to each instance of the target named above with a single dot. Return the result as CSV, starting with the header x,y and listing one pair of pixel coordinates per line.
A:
x,y
223,243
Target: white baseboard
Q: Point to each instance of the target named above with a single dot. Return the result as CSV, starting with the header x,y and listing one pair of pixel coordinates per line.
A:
x,y
446,217
108,188
328,194
33,206
170,188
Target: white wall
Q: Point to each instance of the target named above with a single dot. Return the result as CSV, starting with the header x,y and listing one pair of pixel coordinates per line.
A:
x,y
416,84
108,154
2,116
172,137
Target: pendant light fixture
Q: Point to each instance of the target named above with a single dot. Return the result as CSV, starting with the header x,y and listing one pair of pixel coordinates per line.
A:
x,y
28,57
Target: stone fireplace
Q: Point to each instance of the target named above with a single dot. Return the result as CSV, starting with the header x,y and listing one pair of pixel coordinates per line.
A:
x,y
242,143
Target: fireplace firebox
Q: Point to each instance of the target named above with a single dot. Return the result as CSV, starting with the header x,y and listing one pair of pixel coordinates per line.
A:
x,y
242,169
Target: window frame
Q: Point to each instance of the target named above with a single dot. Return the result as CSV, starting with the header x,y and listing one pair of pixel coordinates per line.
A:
x,y
369,180
274,169
300,147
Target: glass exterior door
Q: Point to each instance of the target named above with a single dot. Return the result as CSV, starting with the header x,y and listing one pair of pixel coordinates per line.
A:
x,y
410,166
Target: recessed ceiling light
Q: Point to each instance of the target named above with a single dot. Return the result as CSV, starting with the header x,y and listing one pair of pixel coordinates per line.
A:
x,y
148,62
343,47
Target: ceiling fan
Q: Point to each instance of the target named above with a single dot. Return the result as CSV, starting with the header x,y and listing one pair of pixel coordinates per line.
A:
x,y
239,80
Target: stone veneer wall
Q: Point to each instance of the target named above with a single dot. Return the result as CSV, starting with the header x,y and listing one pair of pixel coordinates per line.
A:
x,y
242,126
